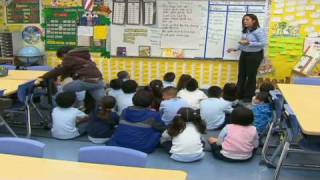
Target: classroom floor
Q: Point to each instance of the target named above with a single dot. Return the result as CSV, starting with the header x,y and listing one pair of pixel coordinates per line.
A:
x,y
206,169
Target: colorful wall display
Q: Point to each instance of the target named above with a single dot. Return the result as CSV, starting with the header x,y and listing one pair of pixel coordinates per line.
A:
x,y
60,27
291,22
23,12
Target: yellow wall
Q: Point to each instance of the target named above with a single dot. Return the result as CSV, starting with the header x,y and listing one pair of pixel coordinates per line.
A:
x,y
144,70
292,12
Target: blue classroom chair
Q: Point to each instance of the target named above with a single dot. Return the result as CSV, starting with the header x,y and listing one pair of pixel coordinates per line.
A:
x,y
21,147
278,110
5,103
307,81
113,155
296,142
23,105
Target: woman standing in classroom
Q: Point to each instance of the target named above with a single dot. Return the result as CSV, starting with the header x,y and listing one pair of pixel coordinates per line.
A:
x,y
251,46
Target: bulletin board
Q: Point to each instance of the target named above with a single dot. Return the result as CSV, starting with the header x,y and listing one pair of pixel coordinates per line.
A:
x,y
202,29
61,27
291,22
74,26
23,12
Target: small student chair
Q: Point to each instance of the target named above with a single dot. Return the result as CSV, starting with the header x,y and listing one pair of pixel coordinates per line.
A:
x,y
278,110
23,105
21,147
296,142
4,104
307,81
112,155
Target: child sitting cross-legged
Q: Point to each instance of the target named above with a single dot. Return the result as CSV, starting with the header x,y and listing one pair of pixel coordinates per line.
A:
x,y
262,111
238,140
170,104
139,127
67,121
103,121
183,137
213,109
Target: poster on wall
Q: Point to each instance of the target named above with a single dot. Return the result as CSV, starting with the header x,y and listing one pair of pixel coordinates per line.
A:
x,y
61,27
1,12
23,12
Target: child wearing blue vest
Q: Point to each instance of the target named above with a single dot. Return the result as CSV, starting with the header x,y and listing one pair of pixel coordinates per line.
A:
x,y
140,127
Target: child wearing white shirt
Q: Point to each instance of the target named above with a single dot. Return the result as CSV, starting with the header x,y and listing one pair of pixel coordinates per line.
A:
x,y
183,137
192,94
124,100
66,118
168,80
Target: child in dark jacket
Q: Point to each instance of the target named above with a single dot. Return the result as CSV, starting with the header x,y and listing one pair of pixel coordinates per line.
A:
x,y
102,121
140,127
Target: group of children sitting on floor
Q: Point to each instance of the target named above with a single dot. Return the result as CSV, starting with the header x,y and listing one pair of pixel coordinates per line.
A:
x,y
173,116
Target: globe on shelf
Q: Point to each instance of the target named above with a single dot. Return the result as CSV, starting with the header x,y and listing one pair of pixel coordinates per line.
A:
x,y
29,55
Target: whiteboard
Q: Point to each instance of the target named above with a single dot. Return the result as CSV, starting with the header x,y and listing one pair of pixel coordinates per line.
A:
x,y
209,30
233,32
179,22
216,31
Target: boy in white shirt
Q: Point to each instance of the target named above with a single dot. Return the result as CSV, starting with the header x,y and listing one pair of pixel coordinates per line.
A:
x,y
124,100
65,118
192,94
213,109
168,80
115,88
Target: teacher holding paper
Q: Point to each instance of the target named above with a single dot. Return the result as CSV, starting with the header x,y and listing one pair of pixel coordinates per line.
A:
x,y
251,46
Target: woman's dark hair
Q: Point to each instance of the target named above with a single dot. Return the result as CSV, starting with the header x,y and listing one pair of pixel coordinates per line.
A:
x,y
116,84
242,116
66,99
169,77
184,78
192,85
105,107
230,92
266,87
263,96
129,86
142,98
256,24
183,116
63,50
214,91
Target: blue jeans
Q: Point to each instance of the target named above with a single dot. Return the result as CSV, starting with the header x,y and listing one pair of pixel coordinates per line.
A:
x,y
96,90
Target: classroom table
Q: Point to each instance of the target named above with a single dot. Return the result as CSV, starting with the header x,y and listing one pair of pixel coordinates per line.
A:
x,y
304,100
10,86
15,78
24,74
28,168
